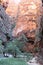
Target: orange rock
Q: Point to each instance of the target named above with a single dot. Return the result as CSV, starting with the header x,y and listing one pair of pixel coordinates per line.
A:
x,y
29,12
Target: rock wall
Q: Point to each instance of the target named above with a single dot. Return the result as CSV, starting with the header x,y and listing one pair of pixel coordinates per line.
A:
x,y
29,18
5,26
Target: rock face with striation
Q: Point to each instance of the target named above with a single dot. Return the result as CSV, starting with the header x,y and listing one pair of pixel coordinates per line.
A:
x,y
29,18
5,26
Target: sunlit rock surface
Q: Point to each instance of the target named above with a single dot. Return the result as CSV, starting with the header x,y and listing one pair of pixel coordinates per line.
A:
x,y
12,8
29,15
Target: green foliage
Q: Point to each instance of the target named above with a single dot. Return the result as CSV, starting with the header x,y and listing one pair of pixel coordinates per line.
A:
x,y
0,42
12,61
36,49
22,42
1,47
29,56
16,45
12,48
13,25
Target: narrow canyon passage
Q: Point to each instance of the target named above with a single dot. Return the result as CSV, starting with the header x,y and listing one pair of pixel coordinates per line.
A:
x,y
22,20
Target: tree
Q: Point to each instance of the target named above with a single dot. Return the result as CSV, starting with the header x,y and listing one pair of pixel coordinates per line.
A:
x,y
15,47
